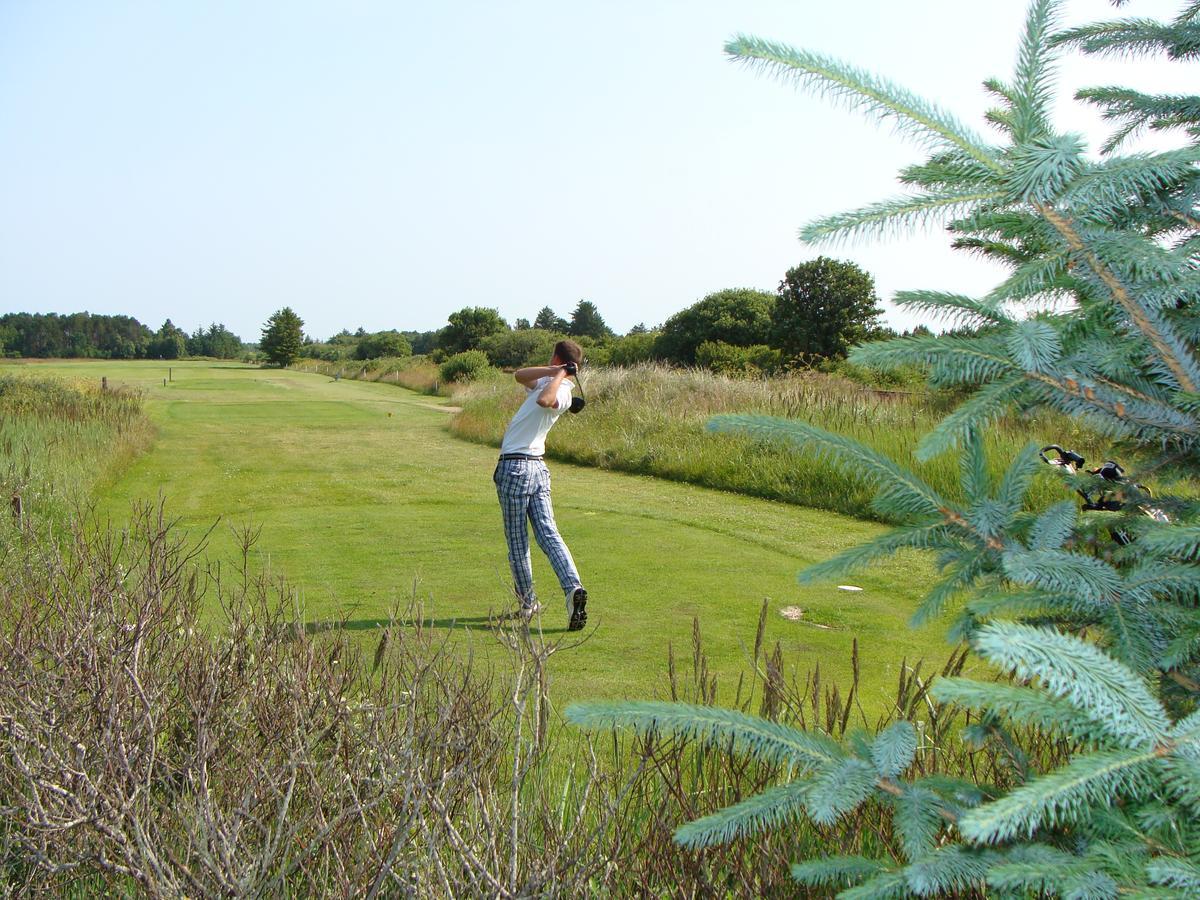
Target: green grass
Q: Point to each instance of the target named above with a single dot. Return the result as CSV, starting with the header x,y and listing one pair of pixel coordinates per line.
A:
x,y
651,419
361,492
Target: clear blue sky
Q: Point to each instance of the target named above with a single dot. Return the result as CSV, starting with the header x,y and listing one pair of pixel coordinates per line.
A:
x,y
385,163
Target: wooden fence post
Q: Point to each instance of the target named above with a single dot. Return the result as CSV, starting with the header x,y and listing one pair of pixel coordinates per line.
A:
x,y
104,383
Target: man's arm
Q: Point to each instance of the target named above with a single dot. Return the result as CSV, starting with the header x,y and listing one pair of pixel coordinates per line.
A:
x,y
530,375
548,398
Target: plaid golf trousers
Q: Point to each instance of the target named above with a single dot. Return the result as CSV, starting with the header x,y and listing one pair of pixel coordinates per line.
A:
x,y
523,486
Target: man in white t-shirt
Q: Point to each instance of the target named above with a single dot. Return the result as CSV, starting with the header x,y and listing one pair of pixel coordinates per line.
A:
x,y
523,482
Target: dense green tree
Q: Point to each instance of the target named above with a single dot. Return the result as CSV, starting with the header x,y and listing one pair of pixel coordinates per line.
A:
x,y
548,320
465,366
381,344
1089,622
123,348
216,341
635,347
825,306
223,343
282,337
10,341
586,321
169,343
342,346
422,342
522,325
738,316
468,327
513,349
72,335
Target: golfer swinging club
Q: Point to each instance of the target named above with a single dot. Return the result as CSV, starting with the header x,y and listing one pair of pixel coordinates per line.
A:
x,y
523,481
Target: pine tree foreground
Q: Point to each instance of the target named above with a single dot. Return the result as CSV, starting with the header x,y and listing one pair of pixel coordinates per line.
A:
x,y
1100,642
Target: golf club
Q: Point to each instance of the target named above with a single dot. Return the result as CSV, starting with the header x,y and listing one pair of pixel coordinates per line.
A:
x,y
577,403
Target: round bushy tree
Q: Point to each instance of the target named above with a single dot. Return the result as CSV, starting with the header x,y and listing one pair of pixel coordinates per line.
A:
x,y
738,316
525,347
635,347
383,344
468,327
825,307
465,366
282,337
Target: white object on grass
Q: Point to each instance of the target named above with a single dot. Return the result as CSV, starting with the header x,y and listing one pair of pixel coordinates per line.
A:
x,y
848,587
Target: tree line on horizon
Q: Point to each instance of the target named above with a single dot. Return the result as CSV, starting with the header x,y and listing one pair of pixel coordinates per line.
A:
x,y
84,335
820,309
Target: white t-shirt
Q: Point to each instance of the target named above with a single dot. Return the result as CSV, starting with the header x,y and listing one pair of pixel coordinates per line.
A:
x,y
531,423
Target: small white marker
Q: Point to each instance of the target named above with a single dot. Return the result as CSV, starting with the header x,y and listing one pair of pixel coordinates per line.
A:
x,y
848,587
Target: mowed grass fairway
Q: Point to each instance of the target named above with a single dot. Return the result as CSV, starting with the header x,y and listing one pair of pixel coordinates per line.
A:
x,y
360,491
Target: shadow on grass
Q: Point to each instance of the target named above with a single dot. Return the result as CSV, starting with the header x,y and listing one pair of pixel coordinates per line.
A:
x,y
462,622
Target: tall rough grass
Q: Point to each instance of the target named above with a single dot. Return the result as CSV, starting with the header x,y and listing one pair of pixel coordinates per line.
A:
x,y
59,439
417,373
650,419
147,753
